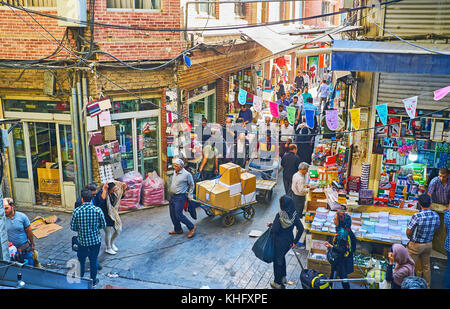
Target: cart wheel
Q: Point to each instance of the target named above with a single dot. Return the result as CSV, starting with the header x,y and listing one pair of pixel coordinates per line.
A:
x,y
270,195
249,213
228,220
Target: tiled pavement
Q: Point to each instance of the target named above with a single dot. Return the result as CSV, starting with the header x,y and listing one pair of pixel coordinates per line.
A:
x,y
217,256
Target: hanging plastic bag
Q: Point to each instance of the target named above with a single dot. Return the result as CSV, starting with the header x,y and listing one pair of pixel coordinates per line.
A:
x,y
152,190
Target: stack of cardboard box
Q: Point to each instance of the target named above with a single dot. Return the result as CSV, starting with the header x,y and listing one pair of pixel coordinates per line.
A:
x,y
234,188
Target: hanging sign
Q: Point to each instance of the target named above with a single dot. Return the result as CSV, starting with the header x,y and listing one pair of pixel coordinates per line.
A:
x,y
410,106
250,98
291,113
354,114
257,103
48,180
382,113
242,97
332,119
440,93
310,118
273,109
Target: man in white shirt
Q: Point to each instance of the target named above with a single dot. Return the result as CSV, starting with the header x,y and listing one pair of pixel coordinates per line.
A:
x,y
306,79
300,187
323,92
287,136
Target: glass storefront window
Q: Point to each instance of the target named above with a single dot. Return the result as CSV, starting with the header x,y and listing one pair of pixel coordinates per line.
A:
x,y
19,152
148,145
125,106
65,136
124,133
37,106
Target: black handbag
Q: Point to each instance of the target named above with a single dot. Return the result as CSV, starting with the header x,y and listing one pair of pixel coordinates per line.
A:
x,y
264,248
75,243
332,257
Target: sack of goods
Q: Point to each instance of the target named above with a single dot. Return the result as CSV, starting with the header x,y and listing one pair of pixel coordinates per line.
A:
x,y
233,189
152,190
132,195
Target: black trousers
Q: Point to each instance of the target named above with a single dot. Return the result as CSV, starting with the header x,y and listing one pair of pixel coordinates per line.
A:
x,y
287,185
299,203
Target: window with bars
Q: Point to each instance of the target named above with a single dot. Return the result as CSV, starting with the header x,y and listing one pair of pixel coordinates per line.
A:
x,y
239,9
134,4
33,3
206,8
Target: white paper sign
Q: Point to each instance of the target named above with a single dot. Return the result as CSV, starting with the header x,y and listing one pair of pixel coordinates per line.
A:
x,y
410,106
91,123
105,104
104,118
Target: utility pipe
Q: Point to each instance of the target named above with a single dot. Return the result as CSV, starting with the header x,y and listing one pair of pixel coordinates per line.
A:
x,y
75,139
88,150
81,128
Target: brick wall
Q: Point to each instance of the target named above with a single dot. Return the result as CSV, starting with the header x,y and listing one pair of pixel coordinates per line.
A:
x,y
19,41
131,44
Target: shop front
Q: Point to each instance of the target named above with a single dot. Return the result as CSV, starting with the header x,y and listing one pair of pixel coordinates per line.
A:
x,y
202,103
41,157
137,130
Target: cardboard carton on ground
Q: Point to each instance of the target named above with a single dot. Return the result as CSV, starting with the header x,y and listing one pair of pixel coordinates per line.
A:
x,y
230,173
248,182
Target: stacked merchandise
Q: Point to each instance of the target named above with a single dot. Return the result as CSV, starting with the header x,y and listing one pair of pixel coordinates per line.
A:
x,y
233,189
384,227
152,190
365,172
132,195
370,261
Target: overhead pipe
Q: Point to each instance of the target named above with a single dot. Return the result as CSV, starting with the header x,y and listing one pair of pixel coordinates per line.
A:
x,y
76,139
81,129
88,152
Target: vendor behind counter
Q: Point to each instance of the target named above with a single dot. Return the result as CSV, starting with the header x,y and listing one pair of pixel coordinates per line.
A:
x,y
439,188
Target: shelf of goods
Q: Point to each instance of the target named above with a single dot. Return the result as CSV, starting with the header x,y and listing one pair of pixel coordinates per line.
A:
x,y
385,226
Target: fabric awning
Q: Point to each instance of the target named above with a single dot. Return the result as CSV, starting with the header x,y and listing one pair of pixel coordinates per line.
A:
x,y
270,39
387,57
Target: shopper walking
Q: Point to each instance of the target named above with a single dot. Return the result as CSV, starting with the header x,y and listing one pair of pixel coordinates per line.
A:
x,y
282,232
289,162
241,153
88,220
19,231
404,266
447,246
108,200
306,80
421,231
300,187
322,94
181,190
305,141
344,244
91,187
209,166
299,81
287,135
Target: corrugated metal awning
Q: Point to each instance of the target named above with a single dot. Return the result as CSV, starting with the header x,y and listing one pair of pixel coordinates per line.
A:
x,y
389,57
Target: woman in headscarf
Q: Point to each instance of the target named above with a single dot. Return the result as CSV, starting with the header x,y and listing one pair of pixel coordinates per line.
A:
x,y
282,228
404,266
108,200
344,243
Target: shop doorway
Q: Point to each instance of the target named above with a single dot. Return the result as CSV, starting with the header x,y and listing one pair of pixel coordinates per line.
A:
x,y
42,164
139,140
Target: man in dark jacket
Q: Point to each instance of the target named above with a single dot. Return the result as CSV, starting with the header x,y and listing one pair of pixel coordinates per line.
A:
x,y
289,162
91,187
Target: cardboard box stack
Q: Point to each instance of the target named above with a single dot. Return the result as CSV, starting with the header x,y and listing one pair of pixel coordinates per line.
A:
x,y
233,188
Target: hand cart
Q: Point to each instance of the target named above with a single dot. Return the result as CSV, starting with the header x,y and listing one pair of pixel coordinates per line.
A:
x,y
228,215
266,177
325,280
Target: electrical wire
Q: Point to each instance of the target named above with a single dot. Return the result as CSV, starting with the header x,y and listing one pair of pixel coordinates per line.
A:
x,y
412,44
230,27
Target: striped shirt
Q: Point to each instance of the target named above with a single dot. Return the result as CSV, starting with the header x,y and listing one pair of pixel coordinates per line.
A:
x,y
440,194
447,227
424,224
88,220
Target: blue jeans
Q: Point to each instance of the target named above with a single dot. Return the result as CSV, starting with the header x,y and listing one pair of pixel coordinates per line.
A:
x,y
91,252
447,272
176,206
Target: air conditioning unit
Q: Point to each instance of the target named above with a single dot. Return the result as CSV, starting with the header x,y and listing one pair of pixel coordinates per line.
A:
x,y
73,9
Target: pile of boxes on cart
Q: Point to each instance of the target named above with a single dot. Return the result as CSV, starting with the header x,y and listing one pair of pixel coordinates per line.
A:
x,y
234,188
